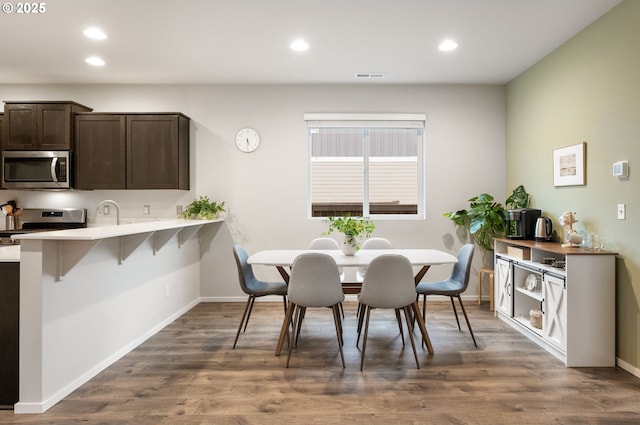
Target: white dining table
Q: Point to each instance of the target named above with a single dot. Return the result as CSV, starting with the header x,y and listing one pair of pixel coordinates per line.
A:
x,y
283,259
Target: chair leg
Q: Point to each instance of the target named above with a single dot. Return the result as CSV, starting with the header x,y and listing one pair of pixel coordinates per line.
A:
x,y
467,319
302,311
294,337
253,300
399,320
244,316
336,321
413,343
361,312
366,331
455,312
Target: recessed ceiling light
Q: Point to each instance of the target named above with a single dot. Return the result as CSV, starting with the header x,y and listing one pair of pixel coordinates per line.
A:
x,y
95,33
447,46
95,61
299,45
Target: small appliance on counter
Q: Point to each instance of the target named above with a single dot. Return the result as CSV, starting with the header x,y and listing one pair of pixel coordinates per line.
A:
x,y
45,219
544,229
521,223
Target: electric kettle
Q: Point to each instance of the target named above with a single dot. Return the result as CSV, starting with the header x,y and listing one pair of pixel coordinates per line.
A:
x,y
544,229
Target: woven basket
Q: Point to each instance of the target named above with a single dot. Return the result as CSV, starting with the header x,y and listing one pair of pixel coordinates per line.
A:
x,y
535,317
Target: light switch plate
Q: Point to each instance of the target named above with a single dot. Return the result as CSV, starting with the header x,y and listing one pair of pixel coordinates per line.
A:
x,y
146,209
622,212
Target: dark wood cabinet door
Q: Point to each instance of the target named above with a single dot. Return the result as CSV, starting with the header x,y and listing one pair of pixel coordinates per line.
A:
x,y
9,332
1,130
20,131
100,151
54,127
157,148
40,125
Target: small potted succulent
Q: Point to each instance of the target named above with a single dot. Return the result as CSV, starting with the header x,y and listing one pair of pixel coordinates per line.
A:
x,y
203,209
353,229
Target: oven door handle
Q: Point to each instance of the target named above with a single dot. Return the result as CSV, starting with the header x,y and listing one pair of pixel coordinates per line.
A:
x,y
54,166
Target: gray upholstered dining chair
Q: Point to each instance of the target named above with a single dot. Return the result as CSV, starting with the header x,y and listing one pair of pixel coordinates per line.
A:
x,y
388,284
324,243
377,243
328,243
314,282
373,243
452,287
253,287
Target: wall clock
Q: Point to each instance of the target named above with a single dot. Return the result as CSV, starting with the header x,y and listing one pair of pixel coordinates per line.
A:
x,y
247,140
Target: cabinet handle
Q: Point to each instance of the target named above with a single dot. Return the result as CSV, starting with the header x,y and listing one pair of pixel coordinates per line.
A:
x,y
542,306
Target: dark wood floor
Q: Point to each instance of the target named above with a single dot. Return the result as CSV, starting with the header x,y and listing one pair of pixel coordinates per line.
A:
x,y
188,374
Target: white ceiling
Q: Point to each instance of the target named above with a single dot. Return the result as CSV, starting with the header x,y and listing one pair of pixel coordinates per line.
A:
x,y
246,41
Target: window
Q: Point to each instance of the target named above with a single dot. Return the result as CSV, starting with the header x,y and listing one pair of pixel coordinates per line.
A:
x,y
365,165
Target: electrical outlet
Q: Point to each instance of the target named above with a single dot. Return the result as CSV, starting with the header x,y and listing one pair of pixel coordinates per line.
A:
x,y
146,209
166,291
178,209
622,212
105,209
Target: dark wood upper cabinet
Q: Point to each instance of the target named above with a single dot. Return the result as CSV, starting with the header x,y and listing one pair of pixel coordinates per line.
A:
x,y
132,151
1,130
100,151
158,151
39,125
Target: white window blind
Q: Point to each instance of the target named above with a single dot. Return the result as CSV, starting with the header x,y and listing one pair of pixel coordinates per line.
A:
x,y
366,164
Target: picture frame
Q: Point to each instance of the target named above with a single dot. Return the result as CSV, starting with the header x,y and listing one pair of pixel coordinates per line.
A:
x,y
569,165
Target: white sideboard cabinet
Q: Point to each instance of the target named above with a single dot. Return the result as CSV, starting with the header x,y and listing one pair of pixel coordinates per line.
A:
x,y
562,298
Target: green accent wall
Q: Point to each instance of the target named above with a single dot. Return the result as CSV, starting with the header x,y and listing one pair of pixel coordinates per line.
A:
x,y
587,90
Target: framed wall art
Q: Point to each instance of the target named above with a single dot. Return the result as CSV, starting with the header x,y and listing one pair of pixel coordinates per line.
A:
x,y
569,165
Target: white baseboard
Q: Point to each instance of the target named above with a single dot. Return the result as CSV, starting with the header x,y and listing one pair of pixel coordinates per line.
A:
x,y
42,407
628,367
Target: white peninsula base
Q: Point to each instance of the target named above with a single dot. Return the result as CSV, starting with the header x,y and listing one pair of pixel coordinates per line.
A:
x,y
89,296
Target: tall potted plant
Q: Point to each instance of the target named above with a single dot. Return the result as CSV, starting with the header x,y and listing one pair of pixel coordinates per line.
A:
x,y
519,198
485,220
353,229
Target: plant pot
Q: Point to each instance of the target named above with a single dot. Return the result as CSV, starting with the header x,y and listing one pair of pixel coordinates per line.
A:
x,y
487,258
349,245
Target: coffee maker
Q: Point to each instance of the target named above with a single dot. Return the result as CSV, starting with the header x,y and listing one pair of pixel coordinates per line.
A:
x,y
521,223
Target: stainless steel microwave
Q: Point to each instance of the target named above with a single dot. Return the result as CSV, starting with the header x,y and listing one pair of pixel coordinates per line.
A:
x,y
36,169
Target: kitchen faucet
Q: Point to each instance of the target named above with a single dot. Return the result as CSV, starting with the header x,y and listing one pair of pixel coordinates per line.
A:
x,y
115,204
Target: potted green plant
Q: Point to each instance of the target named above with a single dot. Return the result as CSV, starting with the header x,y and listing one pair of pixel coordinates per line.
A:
x,y
485,220
519,198
353,229
202,208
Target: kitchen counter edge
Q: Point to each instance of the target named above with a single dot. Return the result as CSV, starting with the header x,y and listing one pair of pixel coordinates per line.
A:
x,y
113,231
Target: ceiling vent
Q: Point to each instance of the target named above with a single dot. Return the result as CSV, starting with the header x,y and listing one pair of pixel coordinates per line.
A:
x,y
370,75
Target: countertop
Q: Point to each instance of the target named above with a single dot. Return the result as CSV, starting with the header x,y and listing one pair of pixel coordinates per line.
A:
x,y
104,232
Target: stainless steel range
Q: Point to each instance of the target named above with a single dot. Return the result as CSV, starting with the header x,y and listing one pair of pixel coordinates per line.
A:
x,y
45,219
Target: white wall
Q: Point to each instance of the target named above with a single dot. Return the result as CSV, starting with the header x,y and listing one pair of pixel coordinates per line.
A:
x,y
266,191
